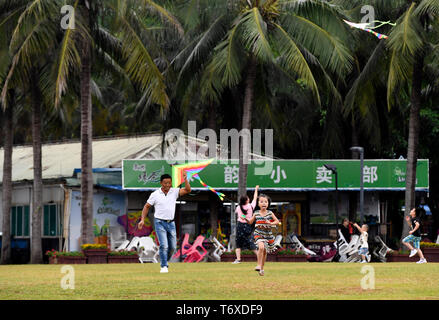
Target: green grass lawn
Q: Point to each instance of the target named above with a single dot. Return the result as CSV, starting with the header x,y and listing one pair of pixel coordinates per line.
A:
x,y
221,281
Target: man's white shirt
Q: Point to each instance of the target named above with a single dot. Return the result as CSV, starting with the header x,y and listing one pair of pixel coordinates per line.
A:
x,y
164,204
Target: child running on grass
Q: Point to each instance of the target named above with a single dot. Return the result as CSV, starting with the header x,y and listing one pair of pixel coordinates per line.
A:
x,y
364,248
263,235
414,236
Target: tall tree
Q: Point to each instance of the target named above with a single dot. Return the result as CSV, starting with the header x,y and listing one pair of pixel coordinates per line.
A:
x,y
8,136
410,44
297,38
26,47
125,46
87,35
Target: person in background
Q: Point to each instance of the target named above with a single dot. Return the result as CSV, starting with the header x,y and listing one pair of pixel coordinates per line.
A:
x,y
364,248
414,236
346,230
243,229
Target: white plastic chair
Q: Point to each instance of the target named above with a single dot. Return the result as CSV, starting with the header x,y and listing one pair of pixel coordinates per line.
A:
x,y
123,246
353,250
148,251
277,240
134,244
381,252
298,245
342,243
219,250
353,245
117,236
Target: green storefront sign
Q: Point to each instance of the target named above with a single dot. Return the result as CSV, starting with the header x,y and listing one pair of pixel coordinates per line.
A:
x,y
299,175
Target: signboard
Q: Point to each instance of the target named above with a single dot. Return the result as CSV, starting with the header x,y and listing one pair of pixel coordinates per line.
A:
x,y
107,207
300,175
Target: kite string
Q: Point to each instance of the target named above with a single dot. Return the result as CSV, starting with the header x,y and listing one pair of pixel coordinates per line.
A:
x,y
382,23
220,195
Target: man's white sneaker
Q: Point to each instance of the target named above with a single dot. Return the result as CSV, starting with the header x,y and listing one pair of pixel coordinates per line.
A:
x,y
422,261
236,261
164,270
412,253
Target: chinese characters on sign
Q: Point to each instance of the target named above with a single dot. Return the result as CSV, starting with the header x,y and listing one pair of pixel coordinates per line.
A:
x,y
369,175
278,171
323,175
231,174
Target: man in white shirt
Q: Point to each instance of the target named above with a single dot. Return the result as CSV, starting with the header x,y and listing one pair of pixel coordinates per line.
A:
x,y
164,200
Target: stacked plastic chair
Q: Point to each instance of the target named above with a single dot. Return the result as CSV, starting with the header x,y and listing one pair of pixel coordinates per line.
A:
x,y
197,252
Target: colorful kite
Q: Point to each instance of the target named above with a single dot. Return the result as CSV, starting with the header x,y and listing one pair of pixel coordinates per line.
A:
x,y
367,27
192,170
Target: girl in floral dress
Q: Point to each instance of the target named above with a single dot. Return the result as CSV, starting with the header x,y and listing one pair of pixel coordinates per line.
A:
x,y
263,235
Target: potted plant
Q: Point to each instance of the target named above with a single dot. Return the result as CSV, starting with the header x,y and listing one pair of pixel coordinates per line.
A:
x,y
53,256
287,255
123,256
75,257
430,251
399,256
95,253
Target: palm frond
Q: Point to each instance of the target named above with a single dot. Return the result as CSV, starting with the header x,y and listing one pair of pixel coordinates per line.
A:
x,y
292,60
229,59
164,14
405,42
68,57
36,11
204,46
365,77
254,36
140,66
428,7
330,50
34,45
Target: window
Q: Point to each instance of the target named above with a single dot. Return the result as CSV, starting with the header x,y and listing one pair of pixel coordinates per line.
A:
x,y
51,221
20,221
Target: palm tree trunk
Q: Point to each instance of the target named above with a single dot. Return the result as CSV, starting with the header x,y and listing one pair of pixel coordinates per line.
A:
x,y
86,141
37,201
8,137
213,199
413,139
244,149
354,155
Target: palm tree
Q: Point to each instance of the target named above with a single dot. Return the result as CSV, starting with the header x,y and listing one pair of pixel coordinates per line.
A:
x,y
8,134
20,75
297,38
74,57
410,46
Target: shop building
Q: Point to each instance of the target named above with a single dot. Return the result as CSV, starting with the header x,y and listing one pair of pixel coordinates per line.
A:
x,y
127,170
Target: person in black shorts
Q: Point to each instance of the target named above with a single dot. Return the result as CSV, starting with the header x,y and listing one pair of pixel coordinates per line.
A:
x,y
243,229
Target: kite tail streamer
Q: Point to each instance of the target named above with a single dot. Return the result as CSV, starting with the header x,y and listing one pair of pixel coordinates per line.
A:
x,y
219,194
378,35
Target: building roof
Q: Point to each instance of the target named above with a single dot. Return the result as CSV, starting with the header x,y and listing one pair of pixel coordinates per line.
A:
x,y
59,160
